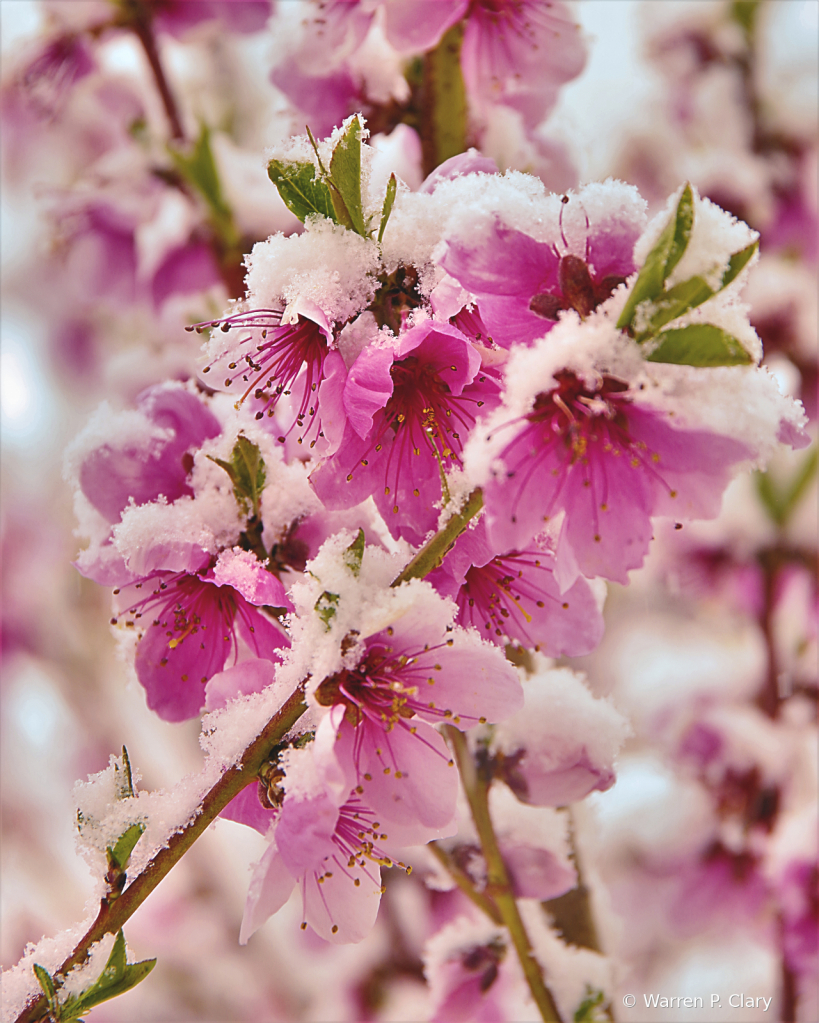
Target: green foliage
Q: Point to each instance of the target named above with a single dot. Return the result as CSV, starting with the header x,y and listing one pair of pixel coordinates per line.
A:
x,y
302,191
692,293
781,501
591,1009
699,344
247,473
651,305
326,607
118,977
120,853
198,168
662,259
354,554
386,209
345,178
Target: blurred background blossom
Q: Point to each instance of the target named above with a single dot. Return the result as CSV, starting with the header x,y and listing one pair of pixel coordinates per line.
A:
x,y
133,183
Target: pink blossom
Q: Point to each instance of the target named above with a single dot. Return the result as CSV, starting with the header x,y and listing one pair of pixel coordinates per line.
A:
x,y
178,16
324,100
519,53
410,408
471,162
522,284
193,631
514,596
275,360
467,986
334,856
609,464
409,676
412,27
113,474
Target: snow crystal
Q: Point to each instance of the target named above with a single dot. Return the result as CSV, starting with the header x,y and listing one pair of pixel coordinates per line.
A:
x,y
715,237
559,709
82,977
20,983
570,970
327,265
107,428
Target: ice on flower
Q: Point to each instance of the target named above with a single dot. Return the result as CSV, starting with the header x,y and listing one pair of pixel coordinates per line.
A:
x,y
562,744
472,974
571,255
140,454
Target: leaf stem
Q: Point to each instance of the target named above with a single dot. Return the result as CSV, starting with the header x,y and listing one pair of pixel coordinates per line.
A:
x,y
498,885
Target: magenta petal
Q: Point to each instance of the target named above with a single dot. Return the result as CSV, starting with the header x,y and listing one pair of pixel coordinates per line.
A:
x,y
270,887
471,162
561,777
325,99
246,574
470,679
428,784
412,26
509,320
537,873
369,387
689,469
111,476
240,680
185,270
507,263
337,910
607,542
304,832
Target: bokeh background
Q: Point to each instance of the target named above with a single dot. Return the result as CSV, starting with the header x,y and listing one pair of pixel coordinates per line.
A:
x,y
702,858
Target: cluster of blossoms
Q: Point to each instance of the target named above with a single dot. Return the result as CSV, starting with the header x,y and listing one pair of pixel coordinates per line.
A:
x,y
581,372
444,408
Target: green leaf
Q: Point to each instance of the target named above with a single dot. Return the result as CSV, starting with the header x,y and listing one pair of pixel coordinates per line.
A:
x,y
692,293
345,178
302,191
699,344
781,502
587,1012
123,778
354,554
47,984
737,263
386,209
326,607
247,472
118,977
662,259
120,853
198,168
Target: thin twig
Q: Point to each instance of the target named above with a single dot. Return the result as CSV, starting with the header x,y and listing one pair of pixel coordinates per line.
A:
x,y
499,886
